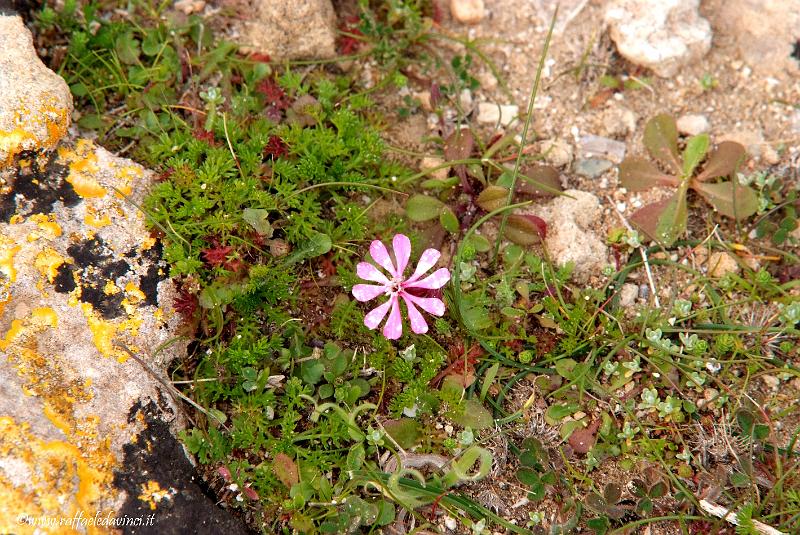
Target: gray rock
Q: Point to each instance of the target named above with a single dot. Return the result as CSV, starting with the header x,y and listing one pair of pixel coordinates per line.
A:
x,y
591,146
618,120
571,232
693,124
764,33
300,29
628,295
35,103
662,36
84,427
591,167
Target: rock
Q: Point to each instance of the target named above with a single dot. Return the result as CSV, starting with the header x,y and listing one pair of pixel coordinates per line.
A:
x,y
628,295
432,162
465,100
85,429
35,103
467,11
590,146
662,36
795,121
301,29
591,167
557,152
491,113
764,33
721,263
188,7
771,381
571,236
693,124
618,121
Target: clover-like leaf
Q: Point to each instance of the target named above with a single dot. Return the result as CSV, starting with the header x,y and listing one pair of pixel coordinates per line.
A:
x,y
612,493
723,161
729,198
661,139
638,174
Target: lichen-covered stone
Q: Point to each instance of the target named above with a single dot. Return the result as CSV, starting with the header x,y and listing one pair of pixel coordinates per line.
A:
x,y
35,103
301,29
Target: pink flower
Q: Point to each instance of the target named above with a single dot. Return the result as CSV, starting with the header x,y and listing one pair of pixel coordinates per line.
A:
x,y
396,287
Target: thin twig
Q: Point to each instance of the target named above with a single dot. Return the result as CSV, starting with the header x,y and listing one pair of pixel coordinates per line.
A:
x,y
722,512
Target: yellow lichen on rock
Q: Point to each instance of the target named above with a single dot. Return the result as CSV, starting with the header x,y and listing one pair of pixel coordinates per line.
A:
x,y
63,477
83,169
39,128
47,262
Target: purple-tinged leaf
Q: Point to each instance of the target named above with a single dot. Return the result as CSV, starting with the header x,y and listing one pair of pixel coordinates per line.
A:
x,y
525,229
661,139
459,146
723,161
663,221
638,174
539,180
729,198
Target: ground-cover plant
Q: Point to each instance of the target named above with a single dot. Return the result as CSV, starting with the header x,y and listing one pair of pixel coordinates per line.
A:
x,y
665,220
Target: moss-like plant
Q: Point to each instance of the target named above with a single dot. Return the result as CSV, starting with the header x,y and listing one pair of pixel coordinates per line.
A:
x,y
665,220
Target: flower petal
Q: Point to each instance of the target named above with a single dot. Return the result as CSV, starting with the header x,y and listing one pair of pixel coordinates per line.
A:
x,y
418,323
375,316
394,325
402,252
426,261
365,292
435,280
379,253
431,305
369,272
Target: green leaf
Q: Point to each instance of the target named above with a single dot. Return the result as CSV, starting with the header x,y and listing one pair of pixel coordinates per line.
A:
x,y
561,411
325,391
661,139
285,469
638,174
475,415
423,207
730,198
479,243
492,198
527,476
318,244
539,180
386,513
257,218
739,480
311,371
127,48
448,220
723,161
404,431
612,493
693,154
565,368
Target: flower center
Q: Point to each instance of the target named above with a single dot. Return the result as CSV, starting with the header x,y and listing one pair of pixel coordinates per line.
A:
x,y
395,285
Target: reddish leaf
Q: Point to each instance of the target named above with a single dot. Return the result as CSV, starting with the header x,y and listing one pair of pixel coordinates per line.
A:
x,y
459,147
349,44
661,139
275,147
204,135
638,174
224,473
285,469
217,255
260,57
582,439
539,180
729,198
274,95
663,221
185,303
250,493
723,161
525,229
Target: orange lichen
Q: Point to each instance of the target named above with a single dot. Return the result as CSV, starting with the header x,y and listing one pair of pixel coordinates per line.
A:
x,y
47,224
152,494
47,262
8,249
49,116
82,169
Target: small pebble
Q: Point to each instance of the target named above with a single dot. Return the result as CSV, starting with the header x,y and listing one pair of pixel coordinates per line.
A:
x,y
467,11
721,263
592,167
598,146
491,113
693,124
628,295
